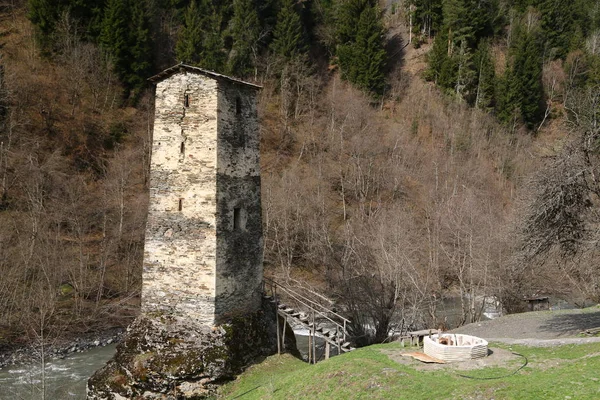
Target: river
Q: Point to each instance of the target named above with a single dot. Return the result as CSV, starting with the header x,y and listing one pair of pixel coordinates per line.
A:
x,y
65,379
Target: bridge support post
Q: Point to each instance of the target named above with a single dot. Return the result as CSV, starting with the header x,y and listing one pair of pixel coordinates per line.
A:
x,y
314,341
277,329
327,350
309,346
283,334
337,335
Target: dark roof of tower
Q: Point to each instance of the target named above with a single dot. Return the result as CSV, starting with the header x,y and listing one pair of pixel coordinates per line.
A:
x,y
188,68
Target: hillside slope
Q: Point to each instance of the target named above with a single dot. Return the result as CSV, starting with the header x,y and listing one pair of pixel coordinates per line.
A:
x,y
386,204
380,372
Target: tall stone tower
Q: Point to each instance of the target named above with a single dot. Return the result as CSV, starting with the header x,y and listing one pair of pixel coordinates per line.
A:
x,y
203,248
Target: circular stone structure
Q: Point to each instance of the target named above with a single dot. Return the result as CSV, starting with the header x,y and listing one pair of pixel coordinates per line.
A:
x,y
455,347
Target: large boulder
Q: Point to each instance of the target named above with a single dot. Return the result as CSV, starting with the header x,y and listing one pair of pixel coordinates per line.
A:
x,y
164,357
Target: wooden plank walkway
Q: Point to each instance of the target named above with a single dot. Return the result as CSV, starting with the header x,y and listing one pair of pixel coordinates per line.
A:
x,y
336,337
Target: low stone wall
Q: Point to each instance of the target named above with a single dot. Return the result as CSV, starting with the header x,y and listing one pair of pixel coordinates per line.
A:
x,y
462,347
162,357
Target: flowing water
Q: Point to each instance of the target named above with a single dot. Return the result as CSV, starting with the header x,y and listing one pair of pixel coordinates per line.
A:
x,y
302,345
64,379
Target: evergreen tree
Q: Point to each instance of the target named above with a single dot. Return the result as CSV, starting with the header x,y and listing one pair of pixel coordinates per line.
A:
x,y
557,24
267,11
465,73
530,64
288,37
321,23
456,73
114,34
200,42
458,23
245,34
521,88
88,13
189,45
522,5
213,57
506,104
468,20
126,37
140,45
347,19
486,77
363,61
44,14
428,16
437,57
448,76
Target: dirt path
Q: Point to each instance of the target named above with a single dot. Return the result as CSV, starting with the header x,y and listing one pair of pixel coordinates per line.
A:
x,y
541,328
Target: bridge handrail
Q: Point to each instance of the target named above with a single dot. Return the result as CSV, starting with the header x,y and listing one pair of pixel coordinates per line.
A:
x,y
303,300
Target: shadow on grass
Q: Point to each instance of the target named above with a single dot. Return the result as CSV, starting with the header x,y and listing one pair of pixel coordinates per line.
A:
x,y
246,392
571,324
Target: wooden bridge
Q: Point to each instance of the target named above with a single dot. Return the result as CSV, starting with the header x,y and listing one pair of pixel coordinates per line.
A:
x,y
310,317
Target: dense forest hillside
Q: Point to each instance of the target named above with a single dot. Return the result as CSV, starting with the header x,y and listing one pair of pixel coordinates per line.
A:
x,y
411,150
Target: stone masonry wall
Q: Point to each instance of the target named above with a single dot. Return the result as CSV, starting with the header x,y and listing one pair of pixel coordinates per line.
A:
x,y
180,247
239,245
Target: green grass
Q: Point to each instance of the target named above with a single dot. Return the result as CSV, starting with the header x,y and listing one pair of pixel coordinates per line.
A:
x,y
552,373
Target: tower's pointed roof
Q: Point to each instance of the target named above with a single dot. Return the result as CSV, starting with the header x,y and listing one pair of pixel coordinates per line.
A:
x,y
195,70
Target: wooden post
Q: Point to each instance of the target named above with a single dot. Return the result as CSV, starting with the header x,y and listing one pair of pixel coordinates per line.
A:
x,y
327,350
278,340
337,336
309,346
314,329
283,334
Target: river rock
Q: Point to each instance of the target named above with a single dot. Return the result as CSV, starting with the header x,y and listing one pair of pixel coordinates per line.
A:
x,y
164,357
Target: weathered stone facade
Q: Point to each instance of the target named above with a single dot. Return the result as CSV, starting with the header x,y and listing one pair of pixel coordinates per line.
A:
x,y
203,249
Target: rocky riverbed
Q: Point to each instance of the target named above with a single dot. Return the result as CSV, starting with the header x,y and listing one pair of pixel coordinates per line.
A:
x,y
59,349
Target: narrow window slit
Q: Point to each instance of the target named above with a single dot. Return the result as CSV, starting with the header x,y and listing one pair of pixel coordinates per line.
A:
x,y
186,100
180,208
238,105
237,218
182,148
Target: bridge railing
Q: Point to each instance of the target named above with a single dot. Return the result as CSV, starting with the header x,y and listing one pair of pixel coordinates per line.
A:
x,y
340,323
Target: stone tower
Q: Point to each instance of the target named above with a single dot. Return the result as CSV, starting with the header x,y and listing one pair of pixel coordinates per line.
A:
x,y
203,248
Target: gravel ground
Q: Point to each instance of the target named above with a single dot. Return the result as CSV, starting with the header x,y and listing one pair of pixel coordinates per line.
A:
x,y
538,328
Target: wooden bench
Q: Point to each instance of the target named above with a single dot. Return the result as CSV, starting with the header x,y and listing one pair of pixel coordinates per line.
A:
x,y
416,337
591,331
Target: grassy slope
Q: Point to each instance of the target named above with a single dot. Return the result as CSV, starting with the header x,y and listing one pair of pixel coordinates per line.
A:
x,y
552,373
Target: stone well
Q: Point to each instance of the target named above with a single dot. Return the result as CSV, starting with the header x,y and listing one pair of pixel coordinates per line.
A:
x,y
455,347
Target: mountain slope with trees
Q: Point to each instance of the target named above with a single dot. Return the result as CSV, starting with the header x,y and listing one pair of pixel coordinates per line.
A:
x,y
390,179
